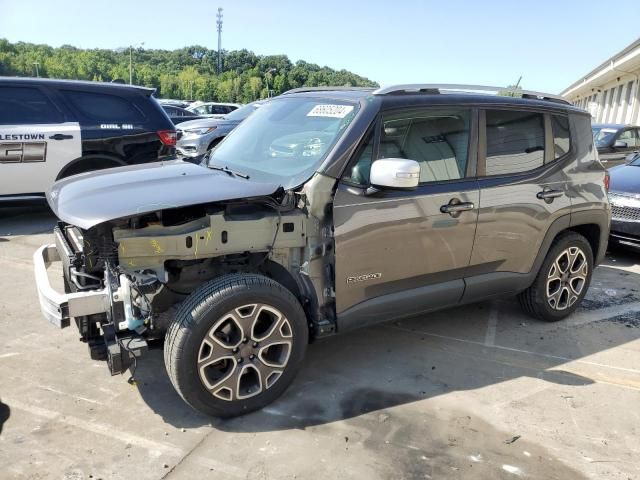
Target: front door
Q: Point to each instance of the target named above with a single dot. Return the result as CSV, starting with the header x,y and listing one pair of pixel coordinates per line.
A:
x,y
401,253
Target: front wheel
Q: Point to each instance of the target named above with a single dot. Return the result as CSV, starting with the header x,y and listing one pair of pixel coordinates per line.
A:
x,y
236,344
562,281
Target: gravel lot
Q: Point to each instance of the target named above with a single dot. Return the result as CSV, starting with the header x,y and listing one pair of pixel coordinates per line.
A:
x,y
477,392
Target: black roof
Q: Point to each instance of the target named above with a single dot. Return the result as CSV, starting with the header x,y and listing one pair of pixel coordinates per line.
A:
x,y
72,83
407,99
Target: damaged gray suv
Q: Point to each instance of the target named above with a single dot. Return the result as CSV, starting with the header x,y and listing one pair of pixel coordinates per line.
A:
x,y
327,210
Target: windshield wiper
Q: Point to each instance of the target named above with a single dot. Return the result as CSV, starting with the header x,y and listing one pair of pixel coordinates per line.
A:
x,y
233,173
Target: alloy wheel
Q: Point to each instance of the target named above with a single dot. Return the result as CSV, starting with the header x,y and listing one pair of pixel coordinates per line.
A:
x,y
245,352
567,278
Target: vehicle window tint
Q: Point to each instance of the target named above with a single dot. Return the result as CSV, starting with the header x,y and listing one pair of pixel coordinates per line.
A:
x,y
561,135
437,139
19,105
219,109
630,137
515,141
103,107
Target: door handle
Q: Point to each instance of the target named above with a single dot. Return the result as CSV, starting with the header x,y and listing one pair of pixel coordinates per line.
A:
x,y
60,136
455,206
549,194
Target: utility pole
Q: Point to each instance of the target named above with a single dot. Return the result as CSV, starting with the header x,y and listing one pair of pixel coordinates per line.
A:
x,y
131,61
219,24
37,71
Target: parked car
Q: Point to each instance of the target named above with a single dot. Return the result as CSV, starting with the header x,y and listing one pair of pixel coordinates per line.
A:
x,y
170,102
178,115
419,199
615,142
624,196
213,109
52,129
197,137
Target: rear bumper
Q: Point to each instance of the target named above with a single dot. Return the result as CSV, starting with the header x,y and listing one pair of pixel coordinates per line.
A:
x,y
58,308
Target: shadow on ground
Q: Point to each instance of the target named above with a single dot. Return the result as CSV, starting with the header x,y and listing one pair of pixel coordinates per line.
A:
x,y
26,220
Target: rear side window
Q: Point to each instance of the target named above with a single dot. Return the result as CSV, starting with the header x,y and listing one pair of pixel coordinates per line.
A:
x,y
20,105
561,135
515,141
103,107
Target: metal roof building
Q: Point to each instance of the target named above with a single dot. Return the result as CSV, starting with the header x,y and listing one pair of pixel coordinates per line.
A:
x,y
611,91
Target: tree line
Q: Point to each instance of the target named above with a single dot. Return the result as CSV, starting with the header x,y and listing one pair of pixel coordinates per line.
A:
x,y
186,73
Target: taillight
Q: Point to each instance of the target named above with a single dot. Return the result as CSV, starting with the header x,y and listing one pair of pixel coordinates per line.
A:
x,y
607,180
168,137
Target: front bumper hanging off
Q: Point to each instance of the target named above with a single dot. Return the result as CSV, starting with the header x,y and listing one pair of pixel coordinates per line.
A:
x,y
59,308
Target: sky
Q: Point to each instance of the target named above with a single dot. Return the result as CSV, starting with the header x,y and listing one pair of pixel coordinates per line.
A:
x,y
550,43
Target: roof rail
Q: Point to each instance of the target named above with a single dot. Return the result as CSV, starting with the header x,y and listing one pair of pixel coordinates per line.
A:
x,y
435,88
325,89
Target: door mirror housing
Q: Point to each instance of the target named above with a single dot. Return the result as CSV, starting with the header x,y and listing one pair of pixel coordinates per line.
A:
x,y
620,144
395,173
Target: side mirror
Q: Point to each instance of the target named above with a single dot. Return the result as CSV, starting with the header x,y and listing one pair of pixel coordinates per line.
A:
x,y
620,144
395,173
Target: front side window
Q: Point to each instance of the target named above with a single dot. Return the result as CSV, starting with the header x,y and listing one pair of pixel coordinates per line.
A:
x,y
103,107
515,141
286,140
561,135
437,139
603,136
20,105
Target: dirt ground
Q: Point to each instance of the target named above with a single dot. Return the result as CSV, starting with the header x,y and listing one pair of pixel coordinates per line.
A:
x,y
481,391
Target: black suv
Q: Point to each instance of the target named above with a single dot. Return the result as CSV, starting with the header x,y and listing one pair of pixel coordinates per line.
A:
x,y
51,129
328,210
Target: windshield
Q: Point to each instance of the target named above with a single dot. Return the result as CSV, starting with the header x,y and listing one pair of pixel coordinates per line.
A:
x,y
635,161
603,136
242,112
285,140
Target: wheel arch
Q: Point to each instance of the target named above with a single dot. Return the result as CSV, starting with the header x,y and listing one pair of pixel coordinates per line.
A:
x,y
87,163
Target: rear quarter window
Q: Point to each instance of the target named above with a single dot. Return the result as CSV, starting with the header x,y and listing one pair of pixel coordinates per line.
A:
x,y
27,105
104,107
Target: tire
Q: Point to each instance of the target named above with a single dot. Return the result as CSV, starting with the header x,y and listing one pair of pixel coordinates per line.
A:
x,y
236,344
555,294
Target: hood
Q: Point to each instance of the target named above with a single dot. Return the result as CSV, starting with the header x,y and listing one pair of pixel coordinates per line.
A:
x,y
92,198
624,179
204,122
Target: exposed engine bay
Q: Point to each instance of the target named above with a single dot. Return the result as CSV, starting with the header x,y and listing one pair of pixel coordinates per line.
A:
x,y
149,263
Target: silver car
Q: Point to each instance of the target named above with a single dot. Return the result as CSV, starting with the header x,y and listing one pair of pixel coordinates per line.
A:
x,y
197,137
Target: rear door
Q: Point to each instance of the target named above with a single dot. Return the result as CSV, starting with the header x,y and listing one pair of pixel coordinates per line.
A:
x,y
523,190
399,252
36,140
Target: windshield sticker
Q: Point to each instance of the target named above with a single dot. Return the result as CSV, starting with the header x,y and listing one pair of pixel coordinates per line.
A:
x,y
333,111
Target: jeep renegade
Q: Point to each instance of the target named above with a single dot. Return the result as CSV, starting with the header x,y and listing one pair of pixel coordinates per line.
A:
x,y
326,210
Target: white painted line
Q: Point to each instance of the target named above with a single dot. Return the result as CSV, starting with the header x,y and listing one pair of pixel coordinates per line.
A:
x,y
60,392
154,448
99,428
10,354
585,317
517,350
492,323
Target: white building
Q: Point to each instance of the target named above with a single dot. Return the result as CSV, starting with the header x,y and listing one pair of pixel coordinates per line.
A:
x,y
611,91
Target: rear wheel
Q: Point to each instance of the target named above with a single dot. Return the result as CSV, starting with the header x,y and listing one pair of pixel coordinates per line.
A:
x,y
236,344
563,279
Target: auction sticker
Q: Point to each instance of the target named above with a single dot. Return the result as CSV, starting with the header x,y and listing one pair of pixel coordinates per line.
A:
x,y
334,111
